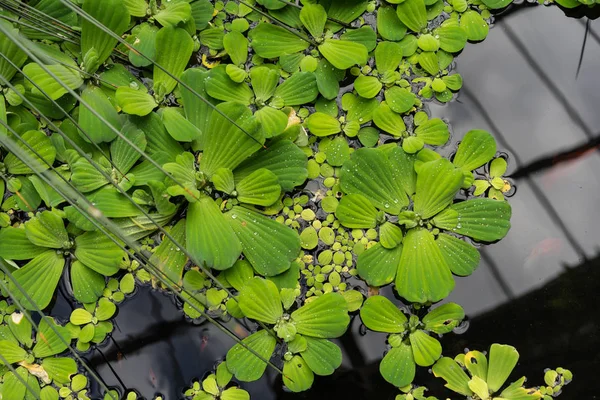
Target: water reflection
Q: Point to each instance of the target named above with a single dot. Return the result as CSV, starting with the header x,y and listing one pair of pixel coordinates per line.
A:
x,y
521,85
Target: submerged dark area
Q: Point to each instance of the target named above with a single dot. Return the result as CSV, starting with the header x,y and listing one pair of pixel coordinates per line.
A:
x,y
536,289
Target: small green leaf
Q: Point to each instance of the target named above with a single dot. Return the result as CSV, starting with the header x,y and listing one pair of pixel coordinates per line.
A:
x,y
245,365
47,229
474,25
51,339
111,14
220,86
223,180
313,17
367,86
389,26
97,130
390,235
426,350
496,4
174,48
106,309
412,144
462,258
388,121
178,126
14,245
502,360
297,376
398,366
444,318
399,100
343,54
324,317
87,284
299,89
98,252
477,148
259,300
413,14
356,211
364,35
38,278
486,220
437,184
60,369
321,124
208,236
12,352
236,45
268,245
381,315
452,38
264,82
378,265
423,274
122,152
271,41
322,356
429,62
197,110
173,13
337,152
433,132
455,377
477,364
80,316
388,55
134,101
498,167
144,43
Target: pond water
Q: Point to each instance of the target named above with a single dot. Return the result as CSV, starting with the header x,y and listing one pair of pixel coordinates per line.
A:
x,y
536,289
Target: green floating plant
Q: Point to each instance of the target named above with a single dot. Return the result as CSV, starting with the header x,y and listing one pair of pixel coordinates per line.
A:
x,y
489,374
34,357
424,233
90,324
215,387
409,338
304,331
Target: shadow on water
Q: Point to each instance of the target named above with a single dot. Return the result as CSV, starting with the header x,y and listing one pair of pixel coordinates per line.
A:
x,y
536,289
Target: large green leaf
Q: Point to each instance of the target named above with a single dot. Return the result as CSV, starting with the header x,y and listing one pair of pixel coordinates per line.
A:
x,y
264,82
322,356
226,146
12,352
261,188
173,13
168,257
456,378
51,339
268,245
87,284
299,89
160,143
437,184
98,252
208,236
220,86
356,211
403,169
381,315
13,386
271,41
378,265
314,18
423,274
113,204
399,100
461,257
87,177
97,45
483,219
236,45
474,25
245,365
327,79
433,132
47,229
369,172
41,144
174,48
477,148
14,245
273,121
388,120
367,86
144,42
344,54
39,279
426,350
388,55
54,88
93,126
413,14
178,126
259,300
297,376
502,360
325,317
321,124
398,366
389,26
452,38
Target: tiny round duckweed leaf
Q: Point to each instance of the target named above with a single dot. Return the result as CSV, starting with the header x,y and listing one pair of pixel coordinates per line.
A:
x,y
398,366
259,299
381,315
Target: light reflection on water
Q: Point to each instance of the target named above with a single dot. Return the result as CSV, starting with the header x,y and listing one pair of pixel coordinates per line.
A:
x,y
521,86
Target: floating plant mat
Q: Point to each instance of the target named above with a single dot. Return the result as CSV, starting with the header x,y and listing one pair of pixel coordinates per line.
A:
x,y
265,161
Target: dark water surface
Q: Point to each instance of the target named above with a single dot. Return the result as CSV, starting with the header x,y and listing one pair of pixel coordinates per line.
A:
x,y
538,289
